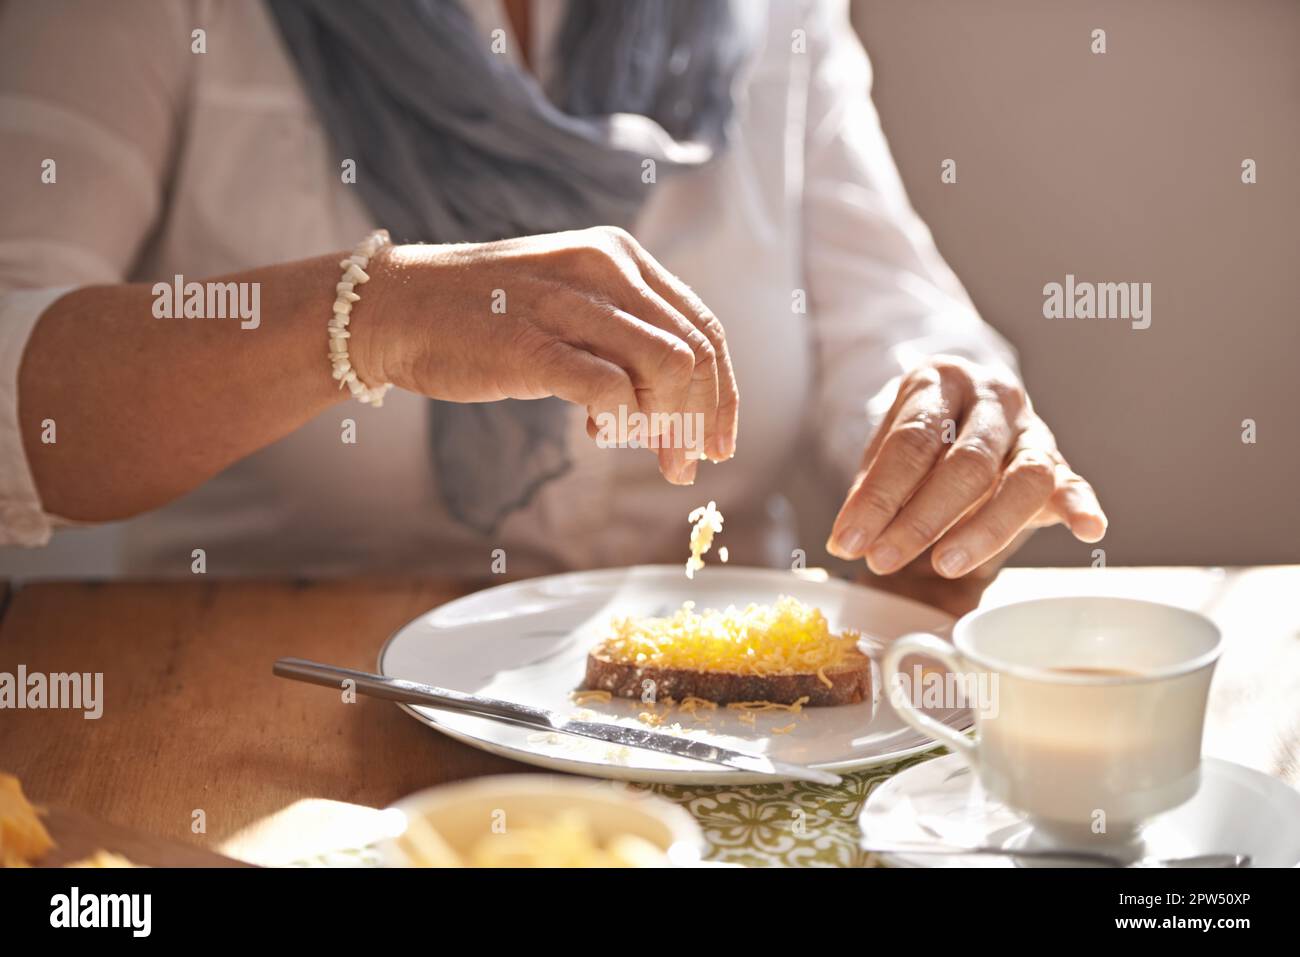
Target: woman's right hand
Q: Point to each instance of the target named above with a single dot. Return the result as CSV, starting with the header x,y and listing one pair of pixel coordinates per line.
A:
x,y
588,316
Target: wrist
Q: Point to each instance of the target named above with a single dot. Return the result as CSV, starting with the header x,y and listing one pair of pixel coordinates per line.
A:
x,y
374,347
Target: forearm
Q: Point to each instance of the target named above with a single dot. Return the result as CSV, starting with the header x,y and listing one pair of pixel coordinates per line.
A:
x,y
145,408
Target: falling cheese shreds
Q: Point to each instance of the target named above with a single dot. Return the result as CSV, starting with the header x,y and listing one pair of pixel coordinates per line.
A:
x,y
786,729
782,639
723,554
706,521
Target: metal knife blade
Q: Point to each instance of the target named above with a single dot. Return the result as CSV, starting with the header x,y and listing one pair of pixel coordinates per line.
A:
x,y
414,692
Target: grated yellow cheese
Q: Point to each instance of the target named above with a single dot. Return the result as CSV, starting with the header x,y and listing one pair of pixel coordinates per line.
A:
x,y
760,706
691,705
788,638
583,696
706,522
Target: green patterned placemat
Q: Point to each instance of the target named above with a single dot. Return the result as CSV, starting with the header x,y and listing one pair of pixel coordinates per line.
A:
x,y
784,824
787,823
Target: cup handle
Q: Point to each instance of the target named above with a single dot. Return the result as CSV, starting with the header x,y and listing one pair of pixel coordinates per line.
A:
x,y
931,646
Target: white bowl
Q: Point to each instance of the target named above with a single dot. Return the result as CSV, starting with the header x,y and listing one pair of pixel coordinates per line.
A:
x,y
463,813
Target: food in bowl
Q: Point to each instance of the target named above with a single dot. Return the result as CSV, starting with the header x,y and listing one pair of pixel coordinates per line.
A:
x,y
565,840
536,820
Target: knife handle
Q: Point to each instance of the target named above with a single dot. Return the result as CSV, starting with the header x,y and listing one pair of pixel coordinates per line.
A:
x,y
408,692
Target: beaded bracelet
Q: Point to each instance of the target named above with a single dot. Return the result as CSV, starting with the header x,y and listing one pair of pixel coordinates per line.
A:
x,y
354,274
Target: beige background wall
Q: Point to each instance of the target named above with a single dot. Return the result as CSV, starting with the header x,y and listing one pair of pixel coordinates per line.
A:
x,y
1116,167
1125,167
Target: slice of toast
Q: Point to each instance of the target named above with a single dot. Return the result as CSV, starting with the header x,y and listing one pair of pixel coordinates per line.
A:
x,y
850,682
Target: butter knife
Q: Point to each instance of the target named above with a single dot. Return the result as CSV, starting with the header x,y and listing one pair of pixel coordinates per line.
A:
x,y
444,699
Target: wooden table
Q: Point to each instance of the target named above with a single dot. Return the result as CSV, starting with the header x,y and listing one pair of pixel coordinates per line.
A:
x,y
194,722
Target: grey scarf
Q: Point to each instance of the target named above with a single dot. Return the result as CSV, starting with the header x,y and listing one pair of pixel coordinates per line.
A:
x,y
454,144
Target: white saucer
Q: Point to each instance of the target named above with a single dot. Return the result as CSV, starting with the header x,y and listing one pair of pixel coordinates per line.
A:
x,y
1236,810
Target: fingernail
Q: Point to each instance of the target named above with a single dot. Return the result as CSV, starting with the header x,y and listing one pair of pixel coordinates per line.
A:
x,y
953,563
1095,533
848,543
686,474
727,445
883,559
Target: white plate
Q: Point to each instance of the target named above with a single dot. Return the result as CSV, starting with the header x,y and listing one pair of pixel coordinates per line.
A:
x,y
1236,810
528,641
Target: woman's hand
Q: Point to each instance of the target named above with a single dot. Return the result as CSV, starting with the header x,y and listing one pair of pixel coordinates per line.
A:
x,y
588,316
961,463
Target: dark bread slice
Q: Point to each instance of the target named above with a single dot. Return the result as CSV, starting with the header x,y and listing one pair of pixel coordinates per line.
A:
x,y
850,682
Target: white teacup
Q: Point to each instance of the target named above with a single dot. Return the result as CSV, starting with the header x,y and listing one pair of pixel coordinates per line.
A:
x,y
1093,709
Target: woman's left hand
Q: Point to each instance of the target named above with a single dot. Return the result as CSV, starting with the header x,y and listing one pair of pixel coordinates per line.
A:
x,y
962,464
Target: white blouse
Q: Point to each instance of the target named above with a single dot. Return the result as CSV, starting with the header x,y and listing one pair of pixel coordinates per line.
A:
x,y
170,161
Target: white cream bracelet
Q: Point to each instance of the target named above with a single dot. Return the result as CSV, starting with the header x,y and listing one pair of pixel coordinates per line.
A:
x,y
354,274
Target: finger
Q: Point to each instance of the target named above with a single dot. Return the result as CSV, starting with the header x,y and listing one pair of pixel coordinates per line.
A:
x,y
587,380
901,393
966,474
1025,486
659,366
907,453
873,447
1076,503
658,350
601,386
637,293
658,362
721,442
673,463
695,421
